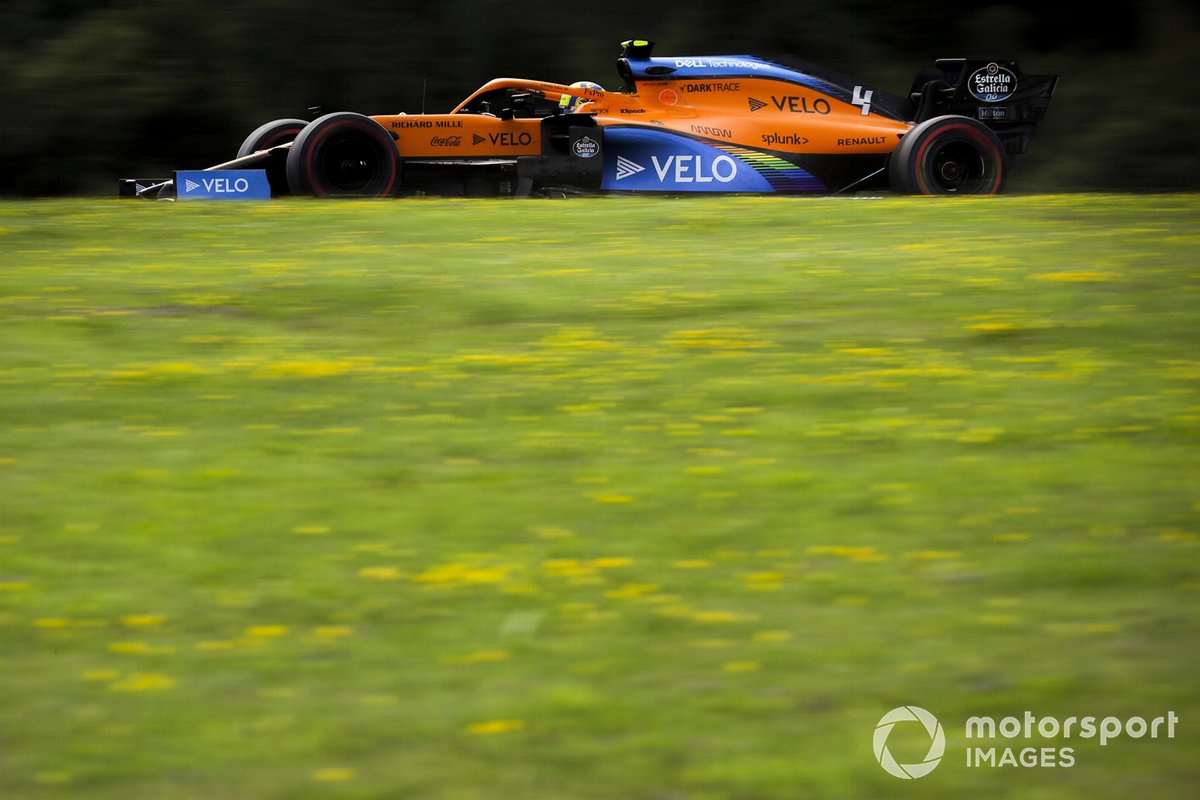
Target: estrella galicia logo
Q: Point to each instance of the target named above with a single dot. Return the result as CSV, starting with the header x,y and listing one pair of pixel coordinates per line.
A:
x,y
937,742
585,147
992,84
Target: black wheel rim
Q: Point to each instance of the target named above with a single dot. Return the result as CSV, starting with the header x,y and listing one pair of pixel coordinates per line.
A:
x,y
957,168
351,163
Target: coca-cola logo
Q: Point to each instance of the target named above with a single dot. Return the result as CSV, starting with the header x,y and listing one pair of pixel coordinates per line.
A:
x,y
445,141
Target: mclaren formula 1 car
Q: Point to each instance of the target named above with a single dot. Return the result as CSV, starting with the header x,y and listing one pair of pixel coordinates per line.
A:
x,y
682,124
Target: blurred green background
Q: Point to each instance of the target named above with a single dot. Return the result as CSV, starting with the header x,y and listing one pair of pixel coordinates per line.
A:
x,y
97,90
604,499
615,498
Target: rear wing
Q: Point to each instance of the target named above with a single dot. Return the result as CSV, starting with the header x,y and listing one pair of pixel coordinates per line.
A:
x,y
996,93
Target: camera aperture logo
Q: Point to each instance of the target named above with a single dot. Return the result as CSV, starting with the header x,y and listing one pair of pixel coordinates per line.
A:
x,y
937,742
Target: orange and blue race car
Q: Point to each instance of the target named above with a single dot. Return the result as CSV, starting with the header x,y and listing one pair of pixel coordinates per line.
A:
x,y
732,124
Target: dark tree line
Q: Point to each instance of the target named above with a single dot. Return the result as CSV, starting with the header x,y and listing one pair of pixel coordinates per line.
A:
x,y
97,89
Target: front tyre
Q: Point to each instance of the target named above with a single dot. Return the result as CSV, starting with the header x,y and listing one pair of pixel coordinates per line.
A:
x,y
273,134
343,155
949,155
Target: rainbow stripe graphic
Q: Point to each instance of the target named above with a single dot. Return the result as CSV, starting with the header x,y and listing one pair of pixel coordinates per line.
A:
x,y
784,176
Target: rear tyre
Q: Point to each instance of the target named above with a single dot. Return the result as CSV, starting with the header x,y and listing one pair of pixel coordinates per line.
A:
x,y
343,155
273,134
949,155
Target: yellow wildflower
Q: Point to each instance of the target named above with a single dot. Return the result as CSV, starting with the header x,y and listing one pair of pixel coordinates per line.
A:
x,y
266,631
632,590
333,632
334,775
143,682
495,726
379,573
612,562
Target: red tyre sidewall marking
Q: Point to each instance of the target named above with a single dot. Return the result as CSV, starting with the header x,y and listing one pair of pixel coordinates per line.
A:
x,y
984,143
308,161
391,182
281,137
312,150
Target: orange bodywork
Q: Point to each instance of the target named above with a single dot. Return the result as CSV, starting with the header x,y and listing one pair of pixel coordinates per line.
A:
x,y
463,136
747,112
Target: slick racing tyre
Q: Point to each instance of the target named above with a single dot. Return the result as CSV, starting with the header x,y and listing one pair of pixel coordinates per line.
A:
x,y
948,155
273,134
343,155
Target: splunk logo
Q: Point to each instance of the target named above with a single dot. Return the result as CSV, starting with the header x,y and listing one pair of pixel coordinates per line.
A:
x,y
990,742
937,742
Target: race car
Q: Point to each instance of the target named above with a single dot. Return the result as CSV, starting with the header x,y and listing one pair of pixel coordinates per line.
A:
x,y
732,124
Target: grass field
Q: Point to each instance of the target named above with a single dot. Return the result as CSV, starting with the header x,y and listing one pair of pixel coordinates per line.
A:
x,y
612,498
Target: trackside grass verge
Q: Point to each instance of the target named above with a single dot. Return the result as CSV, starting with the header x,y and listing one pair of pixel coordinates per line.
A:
x,y
610,498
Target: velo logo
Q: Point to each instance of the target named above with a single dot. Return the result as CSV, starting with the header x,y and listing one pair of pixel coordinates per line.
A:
x,y
937,739
238,184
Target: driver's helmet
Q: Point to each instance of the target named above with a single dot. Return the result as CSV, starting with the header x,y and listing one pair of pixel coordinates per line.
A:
x,y
569,102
